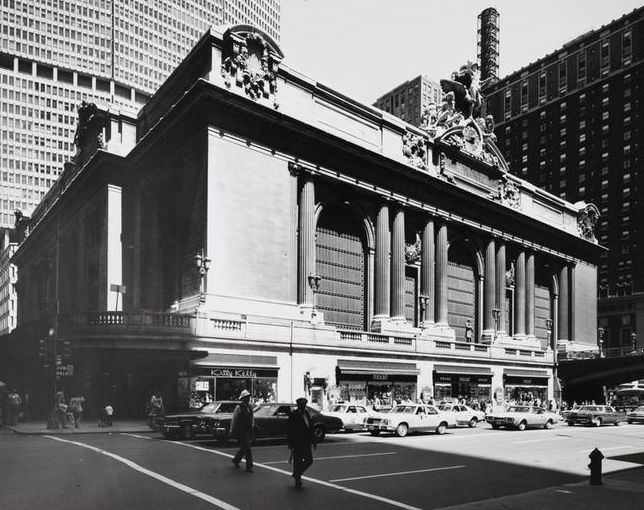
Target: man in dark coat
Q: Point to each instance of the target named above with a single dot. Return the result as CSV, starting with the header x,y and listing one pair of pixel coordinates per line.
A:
x,y
241,427
300,440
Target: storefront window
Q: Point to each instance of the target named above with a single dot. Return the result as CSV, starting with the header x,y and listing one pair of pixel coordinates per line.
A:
x,y
227,384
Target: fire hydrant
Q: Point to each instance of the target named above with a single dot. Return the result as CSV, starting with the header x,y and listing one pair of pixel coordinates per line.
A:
x,y
595,467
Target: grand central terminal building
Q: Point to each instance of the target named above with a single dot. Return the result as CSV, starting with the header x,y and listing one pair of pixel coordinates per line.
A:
x,y
252,228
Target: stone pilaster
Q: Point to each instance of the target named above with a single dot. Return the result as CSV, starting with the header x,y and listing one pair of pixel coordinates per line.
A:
x,y
306,241
489,298
564,296
519,297
529,295
441,275
382,282
500,287
428,276
398,266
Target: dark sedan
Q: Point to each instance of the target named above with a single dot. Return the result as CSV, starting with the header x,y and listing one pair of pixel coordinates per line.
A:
x,y
595,415
212,419
271,420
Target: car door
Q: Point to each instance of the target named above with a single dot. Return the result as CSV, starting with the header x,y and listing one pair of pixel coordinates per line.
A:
x,y
419,421
361,416
277,424
432,418
351,415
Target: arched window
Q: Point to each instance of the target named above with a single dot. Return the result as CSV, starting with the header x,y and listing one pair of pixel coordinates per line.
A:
x,y
340,262
461,290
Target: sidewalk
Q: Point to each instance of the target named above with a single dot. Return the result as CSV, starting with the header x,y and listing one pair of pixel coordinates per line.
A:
x,y
623,490
40,427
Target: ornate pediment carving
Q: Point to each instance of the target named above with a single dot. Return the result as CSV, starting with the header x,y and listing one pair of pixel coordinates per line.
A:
x,y
413,251
587,217
508,193
250,61
414,149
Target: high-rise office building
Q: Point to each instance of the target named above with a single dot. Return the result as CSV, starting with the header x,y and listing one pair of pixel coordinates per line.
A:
x,y
571,123
55,54
409,100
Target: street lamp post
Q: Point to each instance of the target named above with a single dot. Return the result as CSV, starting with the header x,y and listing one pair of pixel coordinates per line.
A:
x,y
496,314
202,265
314,283
600,341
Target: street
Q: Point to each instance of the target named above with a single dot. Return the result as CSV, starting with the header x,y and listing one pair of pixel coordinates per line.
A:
x,y
350,471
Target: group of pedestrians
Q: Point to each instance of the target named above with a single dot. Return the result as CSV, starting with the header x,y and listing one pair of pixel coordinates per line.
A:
x,y
12,407
301,440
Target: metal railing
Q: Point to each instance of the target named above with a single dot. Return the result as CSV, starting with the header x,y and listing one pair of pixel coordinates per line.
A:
x,y
612,352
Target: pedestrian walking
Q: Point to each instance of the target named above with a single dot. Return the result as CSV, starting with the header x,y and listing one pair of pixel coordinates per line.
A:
x,y
60,409
13,407
155,408
241,428
300,440
109,412
76,408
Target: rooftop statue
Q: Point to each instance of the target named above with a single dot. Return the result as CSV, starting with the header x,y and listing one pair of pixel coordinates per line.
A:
x,y
466,87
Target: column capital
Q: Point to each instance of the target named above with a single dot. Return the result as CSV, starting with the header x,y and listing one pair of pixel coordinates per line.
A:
x,y
295,169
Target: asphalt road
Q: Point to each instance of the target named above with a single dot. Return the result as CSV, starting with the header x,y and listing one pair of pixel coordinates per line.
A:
x,y
107,471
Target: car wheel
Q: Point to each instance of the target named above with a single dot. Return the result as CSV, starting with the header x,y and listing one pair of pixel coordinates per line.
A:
x,y
167,435
570,424
186,432
596,422
521,426
630,421
616,424
402,429
374,432
548,425
472,423
442,427
319,433
495,426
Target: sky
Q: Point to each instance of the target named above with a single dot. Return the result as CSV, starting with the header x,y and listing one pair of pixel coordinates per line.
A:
x,y
364,48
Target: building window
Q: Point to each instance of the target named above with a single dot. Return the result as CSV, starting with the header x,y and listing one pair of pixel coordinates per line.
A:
x,y
542,88
563,75
524,95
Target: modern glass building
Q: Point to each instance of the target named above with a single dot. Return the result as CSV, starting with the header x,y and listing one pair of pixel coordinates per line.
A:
x,y
55,54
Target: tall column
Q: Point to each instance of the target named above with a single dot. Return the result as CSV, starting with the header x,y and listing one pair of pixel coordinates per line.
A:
x,y
519,294
381,307
529,295
441,275
427,280
500,285
398,266
306,240
489,286
563,305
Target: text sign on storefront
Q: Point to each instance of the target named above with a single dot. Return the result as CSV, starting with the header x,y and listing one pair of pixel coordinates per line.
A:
x,y
244,373
473,379
202,386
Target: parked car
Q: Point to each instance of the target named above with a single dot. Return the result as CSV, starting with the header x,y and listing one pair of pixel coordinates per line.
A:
x,y
271,420
636,415
353,416
595,415
522,417
212,419
405,418
463,415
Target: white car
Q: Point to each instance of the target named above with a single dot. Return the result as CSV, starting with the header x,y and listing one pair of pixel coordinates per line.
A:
x,y
463,415
405,418
353,416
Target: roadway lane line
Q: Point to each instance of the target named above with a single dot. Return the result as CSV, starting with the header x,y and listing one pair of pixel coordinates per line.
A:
x,y
168,481
540,439
338,457
397,474
324,483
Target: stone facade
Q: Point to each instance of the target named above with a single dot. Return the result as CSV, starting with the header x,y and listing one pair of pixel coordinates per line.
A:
x,y
277,243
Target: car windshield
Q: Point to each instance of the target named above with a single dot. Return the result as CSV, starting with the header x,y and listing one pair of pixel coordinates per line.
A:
x,y
445,407
403,409
519,409
219,407
588,408
337,409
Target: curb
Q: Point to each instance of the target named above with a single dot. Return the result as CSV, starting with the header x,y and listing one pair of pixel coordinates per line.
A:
x,y
59,432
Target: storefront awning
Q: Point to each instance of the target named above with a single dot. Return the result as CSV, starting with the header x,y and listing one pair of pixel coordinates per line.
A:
x,y
462,370
237,360
519,372
376,367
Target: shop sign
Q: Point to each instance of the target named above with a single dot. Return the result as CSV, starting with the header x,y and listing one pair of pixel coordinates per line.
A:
x,y
379,377
472,379
527,381
202,386
245,373
65,370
